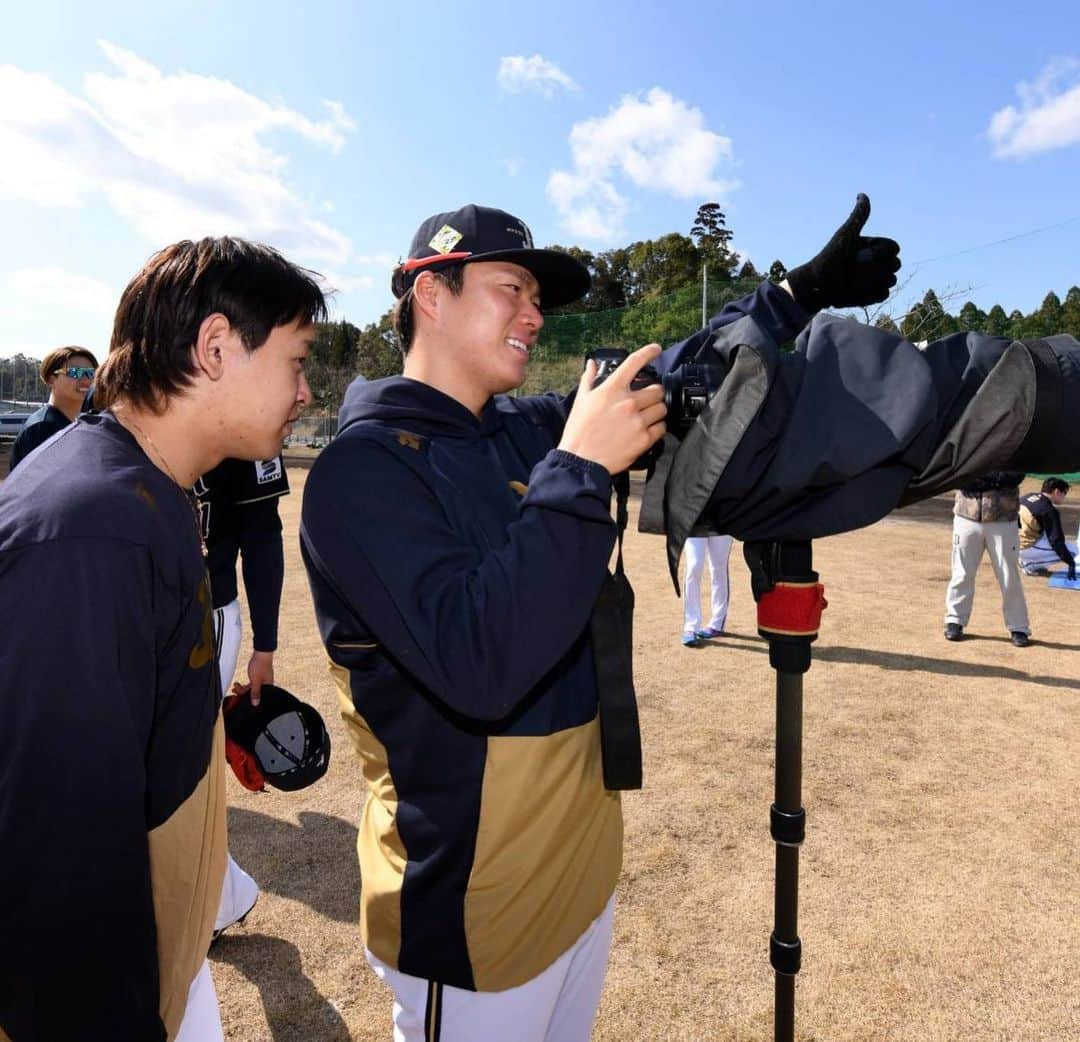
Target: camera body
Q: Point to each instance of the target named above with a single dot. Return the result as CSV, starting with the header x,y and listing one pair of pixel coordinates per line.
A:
x,y
687,388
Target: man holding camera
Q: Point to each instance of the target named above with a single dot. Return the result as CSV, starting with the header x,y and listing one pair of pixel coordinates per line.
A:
x,y
456,542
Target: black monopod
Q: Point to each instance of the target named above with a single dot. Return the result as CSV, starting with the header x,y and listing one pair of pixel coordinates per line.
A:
x,y
789,604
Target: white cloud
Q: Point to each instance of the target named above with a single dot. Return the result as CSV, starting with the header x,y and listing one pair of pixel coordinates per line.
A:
x,y
377,260
590,208
176,155
518,73
64,290
513,165
1047,117
655,142
337,282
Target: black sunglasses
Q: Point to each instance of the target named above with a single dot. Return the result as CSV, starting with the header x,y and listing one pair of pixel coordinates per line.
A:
x,y
78,372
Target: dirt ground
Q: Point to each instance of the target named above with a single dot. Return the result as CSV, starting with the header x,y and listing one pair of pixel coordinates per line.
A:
x,y
938,896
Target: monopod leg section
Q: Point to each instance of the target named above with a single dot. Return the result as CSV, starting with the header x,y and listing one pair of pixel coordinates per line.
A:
x,y
787,825
790,601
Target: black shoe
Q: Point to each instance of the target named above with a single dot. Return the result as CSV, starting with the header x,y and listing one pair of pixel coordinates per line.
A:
x,y
215,936
1020,638
954,631
1039,573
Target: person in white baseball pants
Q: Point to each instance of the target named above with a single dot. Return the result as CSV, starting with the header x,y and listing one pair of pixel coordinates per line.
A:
x,y
716,549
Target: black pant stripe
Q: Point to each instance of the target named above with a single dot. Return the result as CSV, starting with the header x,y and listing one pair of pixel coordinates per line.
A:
x,y
219,630
433,1012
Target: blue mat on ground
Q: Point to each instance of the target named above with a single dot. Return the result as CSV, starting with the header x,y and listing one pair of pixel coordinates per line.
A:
x,y
1059,580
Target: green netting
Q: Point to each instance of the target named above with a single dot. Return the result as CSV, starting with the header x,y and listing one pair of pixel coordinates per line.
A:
x,y
665,319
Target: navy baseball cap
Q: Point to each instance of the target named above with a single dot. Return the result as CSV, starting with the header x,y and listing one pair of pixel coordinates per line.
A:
x,y
480,233
281,741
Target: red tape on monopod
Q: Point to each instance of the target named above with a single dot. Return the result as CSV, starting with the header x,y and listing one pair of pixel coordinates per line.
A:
x,y
792,609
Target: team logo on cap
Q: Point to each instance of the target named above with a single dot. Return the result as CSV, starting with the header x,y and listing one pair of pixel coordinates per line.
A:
x,y
445,239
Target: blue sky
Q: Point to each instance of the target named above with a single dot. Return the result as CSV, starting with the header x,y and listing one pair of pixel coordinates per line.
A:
x,y
331,133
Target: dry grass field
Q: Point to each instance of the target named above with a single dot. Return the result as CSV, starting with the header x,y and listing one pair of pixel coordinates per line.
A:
x,y
939,887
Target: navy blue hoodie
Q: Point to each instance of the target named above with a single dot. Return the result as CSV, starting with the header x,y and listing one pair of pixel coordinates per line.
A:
x,y
454,562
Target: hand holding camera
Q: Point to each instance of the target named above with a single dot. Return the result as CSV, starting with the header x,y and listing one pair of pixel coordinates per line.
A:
x,y
618,419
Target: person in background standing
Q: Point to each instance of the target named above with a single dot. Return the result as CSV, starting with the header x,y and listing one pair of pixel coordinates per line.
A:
x,y
717,548
68,372
984,519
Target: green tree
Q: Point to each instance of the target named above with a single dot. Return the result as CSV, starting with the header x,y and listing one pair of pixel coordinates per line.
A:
x,y
749,272
972,319
661,266
1047,320
926,320
343,344
997,322
377,353
885,322
1017,325
1070,312
713,239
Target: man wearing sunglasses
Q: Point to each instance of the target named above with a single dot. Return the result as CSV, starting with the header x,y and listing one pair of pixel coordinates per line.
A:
x,y
68,372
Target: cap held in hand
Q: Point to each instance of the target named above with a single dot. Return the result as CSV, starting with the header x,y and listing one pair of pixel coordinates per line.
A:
x,y
281,742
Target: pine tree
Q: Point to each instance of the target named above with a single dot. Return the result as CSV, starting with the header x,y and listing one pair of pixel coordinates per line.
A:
x,y
997,322
1070,313
1047,320
972,319
713,239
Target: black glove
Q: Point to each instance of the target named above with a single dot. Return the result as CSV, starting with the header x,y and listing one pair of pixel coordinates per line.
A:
x,y
1072,571
852,269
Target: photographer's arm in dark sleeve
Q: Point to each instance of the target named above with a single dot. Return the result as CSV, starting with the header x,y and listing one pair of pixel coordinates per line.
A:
x,y
477,629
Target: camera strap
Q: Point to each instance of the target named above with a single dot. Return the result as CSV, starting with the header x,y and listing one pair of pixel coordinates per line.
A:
x,y
612,631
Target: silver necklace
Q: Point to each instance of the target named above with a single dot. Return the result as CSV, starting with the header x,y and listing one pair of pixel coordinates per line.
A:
x,y
168,470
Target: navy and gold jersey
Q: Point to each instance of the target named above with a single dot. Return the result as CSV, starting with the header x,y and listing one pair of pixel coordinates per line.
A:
x,y
454,564
112,814
1039,519
238,511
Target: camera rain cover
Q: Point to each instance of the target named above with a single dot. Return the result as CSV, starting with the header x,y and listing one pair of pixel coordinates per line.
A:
x,y
855,421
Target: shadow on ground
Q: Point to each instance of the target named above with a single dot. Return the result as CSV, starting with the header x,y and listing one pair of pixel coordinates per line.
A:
x,y
290,859
912,663
295,1010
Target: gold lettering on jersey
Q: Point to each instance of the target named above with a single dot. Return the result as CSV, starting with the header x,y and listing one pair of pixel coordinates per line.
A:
x,y
409,440
204,650
519,487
